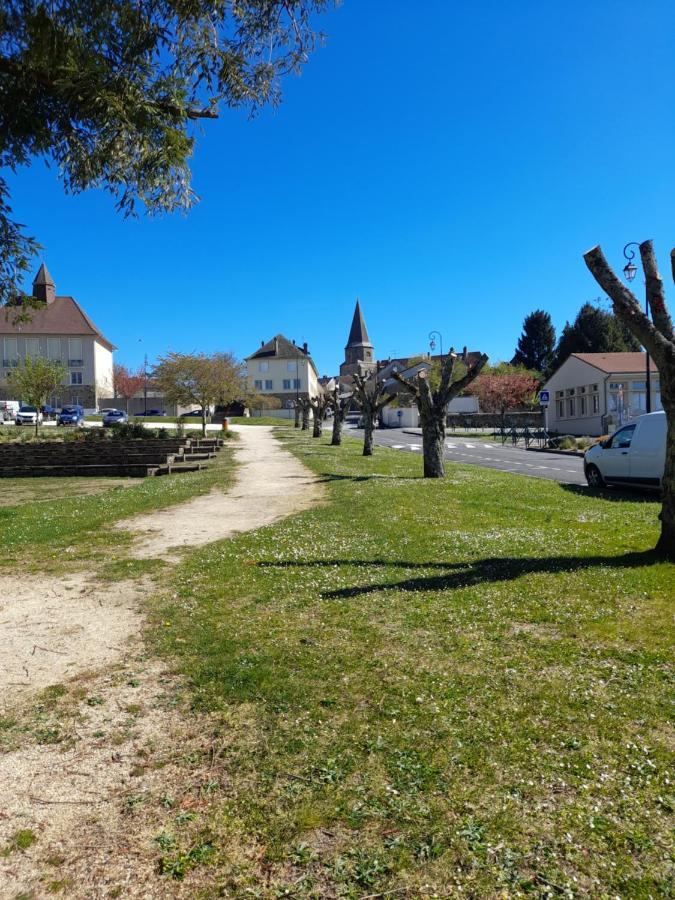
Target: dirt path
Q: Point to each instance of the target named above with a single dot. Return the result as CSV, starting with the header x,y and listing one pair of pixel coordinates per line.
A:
x,y
270,484
106,760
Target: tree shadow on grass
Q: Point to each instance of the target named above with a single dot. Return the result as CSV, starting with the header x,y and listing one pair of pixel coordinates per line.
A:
x,y
614,495
331,476
470,573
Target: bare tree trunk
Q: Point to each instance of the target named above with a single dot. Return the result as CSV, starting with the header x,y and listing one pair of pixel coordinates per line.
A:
x,y
338,421
203,422
298,414
368,428
318,424
305,414
658,338
433,443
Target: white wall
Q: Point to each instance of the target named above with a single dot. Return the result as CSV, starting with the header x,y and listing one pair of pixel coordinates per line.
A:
x,y
277,370
407,417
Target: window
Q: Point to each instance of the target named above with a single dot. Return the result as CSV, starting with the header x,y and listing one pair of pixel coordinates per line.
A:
x,y
623,437
570,392
561,409
263,367
33,347
559,393
287,384
596,404
269,384
582,406
75,352
54,348
11,353
76,377
571,407
257,385
296,384
594,388
638,385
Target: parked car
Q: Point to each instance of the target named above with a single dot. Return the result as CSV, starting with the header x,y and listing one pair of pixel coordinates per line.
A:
x,y
151,412
106,409
633,455
114,417
28,415
193,414
8,410
71,415
48,412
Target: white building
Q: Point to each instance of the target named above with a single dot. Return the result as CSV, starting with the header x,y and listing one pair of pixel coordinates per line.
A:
x,y
283,370
594,393
58,330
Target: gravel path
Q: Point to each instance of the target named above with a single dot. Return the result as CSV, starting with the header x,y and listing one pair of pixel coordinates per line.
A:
x,y
270,484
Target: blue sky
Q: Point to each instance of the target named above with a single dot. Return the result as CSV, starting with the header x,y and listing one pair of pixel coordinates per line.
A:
x,y
447,163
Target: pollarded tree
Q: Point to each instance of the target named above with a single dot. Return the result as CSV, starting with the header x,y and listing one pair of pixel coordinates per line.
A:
x,y
297,407
197,378
111,91
372,398
35,380
658,338
306,408
319,406
536,345
340,406
433,405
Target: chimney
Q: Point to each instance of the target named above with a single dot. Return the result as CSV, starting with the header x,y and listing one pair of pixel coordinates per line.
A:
x,y
276,346
262,343
304,349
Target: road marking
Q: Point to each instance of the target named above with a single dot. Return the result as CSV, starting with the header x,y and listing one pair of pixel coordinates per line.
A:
x,y
451,446
489,446
470,446
415,447
397,446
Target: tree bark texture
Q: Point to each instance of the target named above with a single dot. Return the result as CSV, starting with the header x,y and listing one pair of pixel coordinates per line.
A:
x,y
298,413
432,406
305,407
372,398
657,337
339,405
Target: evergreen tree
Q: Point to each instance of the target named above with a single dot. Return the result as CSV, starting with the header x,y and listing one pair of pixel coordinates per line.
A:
x,y
536,345
593,331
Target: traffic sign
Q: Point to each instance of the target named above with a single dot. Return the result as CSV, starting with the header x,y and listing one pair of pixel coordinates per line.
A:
x,y
544,398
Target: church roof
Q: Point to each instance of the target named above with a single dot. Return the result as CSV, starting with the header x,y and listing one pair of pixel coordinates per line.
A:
x,y
358,333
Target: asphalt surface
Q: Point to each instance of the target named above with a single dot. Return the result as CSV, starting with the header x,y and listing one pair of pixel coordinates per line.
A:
x,y
489,455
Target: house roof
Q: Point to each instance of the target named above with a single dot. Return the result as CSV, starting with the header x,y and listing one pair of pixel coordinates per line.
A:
x,y
279,347
610,363
358,333
63,316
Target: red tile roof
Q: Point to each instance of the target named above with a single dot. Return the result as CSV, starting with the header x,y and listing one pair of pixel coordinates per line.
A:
x,y
610,363
62,316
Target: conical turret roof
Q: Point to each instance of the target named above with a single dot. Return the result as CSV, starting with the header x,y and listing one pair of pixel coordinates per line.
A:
x,y
358,333
43,276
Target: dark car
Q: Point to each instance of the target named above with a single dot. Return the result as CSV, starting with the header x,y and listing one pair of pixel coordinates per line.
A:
x,y
114,417
193,414
49,412
71,415
151,412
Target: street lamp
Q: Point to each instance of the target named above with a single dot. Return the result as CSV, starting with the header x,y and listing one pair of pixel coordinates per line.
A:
x,y
630,271
432,342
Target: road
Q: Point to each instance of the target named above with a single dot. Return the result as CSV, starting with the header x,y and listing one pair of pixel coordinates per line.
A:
x,y
489,455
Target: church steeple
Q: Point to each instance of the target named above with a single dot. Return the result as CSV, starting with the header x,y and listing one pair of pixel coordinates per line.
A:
x,y
43,285
359,354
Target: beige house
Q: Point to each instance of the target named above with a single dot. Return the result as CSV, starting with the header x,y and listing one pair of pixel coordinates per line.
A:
x,y
59,330
595,393
283,370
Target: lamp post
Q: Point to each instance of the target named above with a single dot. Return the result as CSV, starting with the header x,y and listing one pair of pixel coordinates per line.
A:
x,y
630,271
432,342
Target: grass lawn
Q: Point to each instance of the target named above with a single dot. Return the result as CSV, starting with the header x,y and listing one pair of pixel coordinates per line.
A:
x,y
56,523
258,420
427,688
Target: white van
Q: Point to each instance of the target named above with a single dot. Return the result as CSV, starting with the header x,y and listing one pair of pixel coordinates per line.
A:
x,y
633,455
8,410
